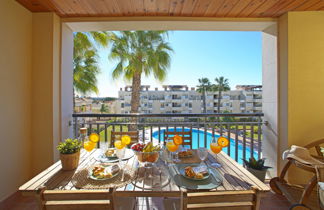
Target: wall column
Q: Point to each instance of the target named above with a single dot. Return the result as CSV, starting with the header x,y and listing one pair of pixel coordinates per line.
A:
x,y
269,98
67,82
45,90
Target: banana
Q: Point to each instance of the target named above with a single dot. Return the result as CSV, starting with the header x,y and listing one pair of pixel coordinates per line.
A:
x,y
148,147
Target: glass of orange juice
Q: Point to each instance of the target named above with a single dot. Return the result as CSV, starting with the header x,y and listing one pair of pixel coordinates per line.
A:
x,y
172,147
215,148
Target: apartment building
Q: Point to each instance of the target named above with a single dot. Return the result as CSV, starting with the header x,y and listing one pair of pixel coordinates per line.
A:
x,y
245,99
181,99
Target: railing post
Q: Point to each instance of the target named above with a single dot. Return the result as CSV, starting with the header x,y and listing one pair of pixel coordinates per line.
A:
x,y
75,125
205,133
259,136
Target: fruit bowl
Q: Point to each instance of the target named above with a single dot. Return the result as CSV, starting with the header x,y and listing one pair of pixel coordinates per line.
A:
x,y
150,157
146,153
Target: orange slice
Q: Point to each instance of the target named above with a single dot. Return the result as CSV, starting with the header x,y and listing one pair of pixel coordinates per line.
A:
x,y
215,148
119,144
177,140
126,140
89,145
94,137
222,141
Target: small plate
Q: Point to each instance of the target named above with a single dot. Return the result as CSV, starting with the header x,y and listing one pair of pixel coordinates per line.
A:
x,y
182,172
101,157
107,169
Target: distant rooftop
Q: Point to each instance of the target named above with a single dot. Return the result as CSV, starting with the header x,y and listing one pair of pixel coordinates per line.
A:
x,y
248,87
186,88
165,88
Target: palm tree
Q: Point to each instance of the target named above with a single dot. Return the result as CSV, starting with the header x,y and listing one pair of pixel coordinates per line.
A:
x,y
203,87
137,53
85,71
221,85
85,56
103,108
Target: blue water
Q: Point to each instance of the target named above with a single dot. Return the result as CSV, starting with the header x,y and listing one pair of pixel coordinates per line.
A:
x,y
201,143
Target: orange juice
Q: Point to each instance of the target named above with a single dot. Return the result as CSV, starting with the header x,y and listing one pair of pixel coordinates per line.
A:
x,y
89,145
215,148
172,147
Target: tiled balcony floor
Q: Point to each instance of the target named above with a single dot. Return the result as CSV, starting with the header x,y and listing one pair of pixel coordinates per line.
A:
x,y
19,202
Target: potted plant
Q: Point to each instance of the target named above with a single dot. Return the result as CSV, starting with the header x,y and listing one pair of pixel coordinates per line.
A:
x,y
256,167
69,153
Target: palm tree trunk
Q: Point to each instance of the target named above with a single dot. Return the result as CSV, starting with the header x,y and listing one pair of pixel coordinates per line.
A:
x,y
135,100
136,88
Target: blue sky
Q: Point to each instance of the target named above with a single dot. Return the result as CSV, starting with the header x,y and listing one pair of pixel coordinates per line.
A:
x,y
234,55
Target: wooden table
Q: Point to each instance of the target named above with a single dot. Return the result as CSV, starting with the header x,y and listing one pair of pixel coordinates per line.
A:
x,y
235,179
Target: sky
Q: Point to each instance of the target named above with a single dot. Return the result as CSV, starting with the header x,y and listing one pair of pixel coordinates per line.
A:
x,y
235,55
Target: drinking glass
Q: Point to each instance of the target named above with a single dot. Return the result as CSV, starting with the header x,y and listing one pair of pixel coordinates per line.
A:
x,y
172,147
202,154
215,148
120,153
88,146
104,147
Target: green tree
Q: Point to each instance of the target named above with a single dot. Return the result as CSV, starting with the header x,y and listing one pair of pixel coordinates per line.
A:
x,y
137,53
85,65
203,87
221,85
104,108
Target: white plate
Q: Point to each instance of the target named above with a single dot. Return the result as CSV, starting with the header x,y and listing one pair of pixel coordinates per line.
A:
x,y
107,167
182,172
101,157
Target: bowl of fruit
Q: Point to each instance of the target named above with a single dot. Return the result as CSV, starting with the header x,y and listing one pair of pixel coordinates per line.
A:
x,y
146,153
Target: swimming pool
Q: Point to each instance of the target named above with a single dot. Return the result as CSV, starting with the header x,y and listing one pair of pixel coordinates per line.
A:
x,y
201,142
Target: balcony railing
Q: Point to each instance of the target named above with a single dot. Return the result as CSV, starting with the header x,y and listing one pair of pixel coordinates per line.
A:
x,y
243,129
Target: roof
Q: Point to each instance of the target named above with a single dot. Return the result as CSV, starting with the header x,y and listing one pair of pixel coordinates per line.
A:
x,y
172,8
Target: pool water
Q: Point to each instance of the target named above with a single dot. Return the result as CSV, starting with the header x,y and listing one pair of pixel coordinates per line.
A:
x,y
201,143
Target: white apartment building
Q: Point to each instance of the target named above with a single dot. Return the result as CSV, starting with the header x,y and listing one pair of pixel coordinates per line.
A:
x,y
181,99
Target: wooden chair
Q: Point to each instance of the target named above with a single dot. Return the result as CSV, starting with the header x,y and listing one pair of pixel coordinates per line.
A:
x,y
76,199
225,200
320,178
116,135
300,196
186,137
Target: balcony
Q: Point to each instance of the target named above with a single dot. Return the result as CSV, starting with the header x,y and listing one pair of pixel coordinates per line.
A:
x,y
241,131
38,36
258,108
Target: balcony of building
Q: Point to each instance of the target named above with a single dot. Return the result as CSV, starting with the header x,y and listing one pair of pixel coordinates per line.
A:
x,y
37,68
